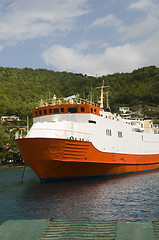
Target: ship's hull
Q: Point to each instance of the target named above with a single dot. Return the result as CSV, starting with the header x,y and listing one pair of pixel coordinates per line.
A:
x,y
62,159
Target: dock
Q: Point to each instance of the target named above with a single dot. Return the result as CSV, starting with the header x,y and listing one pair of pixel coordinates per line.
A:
x,y
44,229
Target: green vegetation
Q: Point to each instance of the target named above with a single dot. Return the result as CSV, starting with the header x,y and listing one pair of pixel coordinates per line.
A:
x,y
21,90
8,148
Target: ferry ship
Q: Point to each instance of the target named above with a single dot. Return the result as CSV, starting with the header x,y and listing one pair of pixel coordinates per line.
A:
x,y
72,138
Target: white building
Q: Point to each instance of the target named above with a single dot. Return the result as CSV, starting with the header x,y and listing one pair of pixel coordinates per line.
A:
x,y
124,109
9,118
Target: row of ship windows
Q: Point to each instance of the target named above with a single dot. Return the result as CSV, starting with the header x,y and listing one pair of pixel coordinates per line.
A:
x,y
57,110
109,133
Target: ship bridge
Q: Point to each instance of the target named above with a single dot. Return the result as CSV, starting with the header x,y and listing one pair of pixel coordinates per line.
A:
x,y
65,109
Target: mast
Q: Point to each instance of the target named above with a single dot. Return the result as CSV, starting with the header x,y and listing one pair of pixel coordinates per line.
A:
x,y
102,96
91,97
107,100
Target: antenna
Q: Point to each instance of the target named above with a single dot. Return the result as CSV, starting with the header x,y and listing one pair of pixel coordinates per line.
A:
x,y
91,97
41,103
107,100
27,124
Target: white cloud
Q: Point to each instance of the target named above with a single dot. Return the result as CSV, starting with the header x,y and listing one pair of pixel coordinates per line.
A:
x,y
66,59
121,58
1,47
83,45
21,20
139,29
147,7
109,21
143,24
142,50
143,5
124,58
150,50
127,44
146,23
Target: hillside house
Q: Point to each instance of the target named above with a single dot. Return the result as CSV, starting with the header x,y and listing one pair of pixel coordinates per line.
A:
x,y
9,118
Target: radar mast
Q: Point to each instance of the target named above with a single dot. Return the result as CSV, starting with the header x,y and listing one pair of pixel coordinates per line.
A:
x,y
102,96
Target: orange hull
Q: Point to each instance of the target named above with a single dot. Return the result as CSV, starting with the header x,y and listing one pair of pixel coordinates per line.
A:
x,y
61,159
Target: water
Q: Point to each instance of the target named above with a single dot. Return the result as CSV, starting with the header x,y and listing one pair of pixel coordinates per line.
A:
x,y
132,197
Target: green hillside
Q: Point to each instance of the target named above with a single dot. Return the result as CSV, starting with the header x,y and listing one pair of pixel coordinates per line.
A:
x,y
21,90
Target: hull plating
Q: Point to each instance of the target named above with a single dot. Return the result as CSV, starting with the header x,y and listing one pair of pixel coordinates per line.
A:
x,y
62,159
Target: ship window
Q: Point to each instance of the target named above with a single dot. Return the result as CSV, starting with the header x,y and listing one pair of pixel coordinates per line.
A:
x,y
55,110
91,121
72,110
120,134
108,132
82,109
36,114
45,111
62,110
95,111
50,110
40,113
91,110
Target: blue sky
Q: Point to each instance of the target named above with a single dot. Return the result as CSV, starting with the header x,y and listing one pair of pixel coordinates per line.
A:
x,y
94,37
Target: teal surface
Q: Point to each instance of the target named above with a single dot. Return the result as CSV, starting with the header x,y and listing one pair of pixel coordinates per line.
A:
x,y
135,231
78,229
22,229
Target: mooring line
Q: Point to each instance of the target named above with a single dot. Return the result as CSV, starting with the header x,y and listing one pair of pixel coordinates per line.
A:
x,y
23,174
